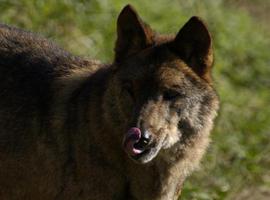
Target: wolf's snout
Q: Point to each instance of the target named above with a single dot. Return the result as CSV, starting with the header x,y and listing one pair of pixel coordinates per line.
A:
x,y
136,142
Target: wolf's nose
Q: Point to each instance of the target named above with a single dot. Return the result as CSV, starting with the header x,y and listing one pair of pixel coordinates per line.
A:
x,y
146,136
144,140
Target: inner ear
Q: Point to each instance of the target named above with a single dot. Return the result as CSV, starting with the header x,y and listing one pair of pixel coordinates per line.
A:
x,y
133,34
193,44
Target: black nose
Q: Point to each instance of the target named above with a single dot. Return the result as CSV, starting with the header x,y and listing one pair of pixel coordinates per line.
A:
x,y
144,141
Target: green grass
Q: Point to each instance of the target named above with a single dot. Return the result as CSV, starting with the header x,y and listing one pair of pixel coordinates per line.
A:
x,y
238,161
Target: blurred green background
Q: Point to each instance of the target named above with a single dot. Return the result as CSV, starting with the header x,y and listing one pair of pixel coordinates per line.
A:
x,y
237,165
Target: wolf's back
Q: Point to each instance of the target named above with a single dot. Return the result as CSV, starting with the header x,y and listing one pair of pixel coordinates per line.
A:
x,y
29,65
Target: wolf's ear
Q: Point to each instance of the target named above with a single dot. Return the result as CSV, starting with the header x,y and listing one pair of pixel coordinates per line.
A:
x,y
133,34
193,44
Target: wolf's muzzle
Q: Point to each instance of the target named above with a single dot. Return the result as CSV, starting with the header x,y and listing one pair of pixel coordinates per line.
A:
x,y
136,142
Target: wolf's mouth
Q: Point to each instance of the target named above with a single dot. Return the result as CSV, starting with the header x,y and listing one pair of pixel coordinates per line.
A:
x,y
134,143
140,146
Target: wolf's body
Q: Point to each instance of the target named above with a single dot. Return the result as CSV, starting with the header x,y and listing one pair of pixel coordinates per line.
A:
x,y
63,118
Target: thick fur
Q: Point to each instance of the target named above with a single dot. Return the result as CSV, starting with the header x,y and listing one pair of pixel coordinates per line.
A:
x,y
63,118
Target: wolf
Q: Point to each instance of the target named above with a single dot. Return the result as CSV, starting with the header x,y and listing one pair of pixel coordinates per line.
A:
x,y
73,128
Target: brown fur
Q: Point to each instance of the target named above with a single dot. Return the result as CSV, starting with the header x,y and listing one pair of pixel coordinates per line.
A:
x,y
63,118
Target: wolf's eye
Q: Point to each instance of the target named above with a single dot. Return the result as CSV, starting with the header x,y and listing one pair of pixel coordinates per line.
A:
x,y
170,95
127,86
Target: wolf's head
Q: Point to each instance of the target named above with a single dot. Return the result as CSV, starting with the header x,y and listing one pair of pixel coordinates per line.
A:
x,y
160,96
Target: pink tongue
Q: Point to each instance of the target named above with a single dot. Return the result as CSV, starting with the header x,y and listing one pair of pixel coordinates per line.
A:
x,y
132,137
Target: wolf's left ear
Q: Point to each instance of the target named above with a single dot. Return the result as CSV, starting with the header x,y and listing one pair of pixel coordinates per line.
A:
x,y
193,44
133,34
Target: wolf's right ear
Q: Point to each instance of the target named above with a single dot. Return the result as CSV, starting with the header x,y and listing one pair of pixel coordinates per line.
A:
x,y
133,34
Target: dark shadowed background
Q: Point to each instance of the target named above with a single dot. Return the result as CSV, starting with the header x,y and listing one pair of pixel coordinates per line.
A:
x,y
237,165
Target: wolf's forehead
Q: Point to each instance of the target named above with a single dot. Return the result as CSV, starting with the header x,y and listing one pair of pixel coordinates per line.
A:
x,y
171,73
167,73
169,77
